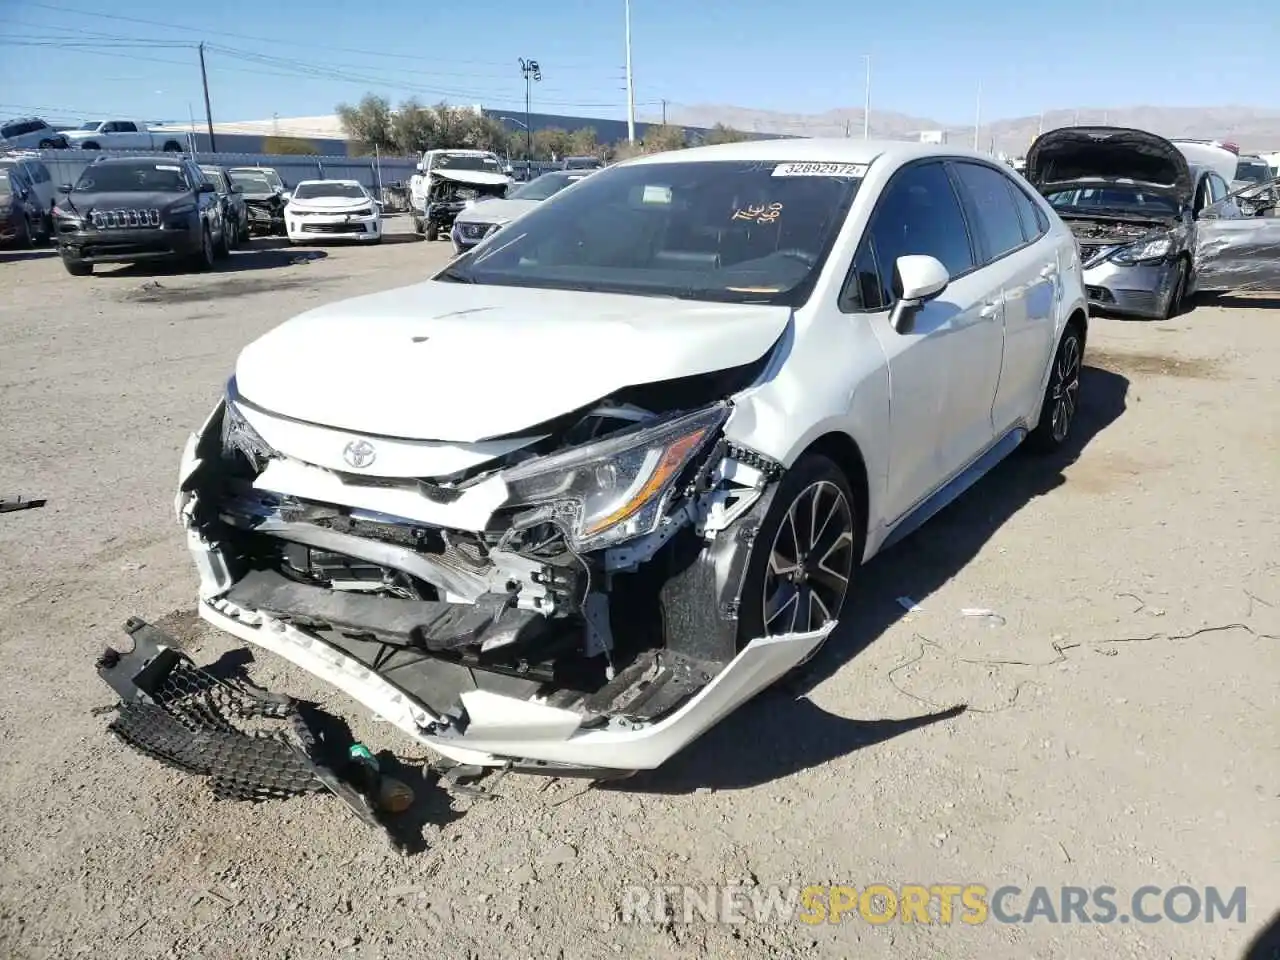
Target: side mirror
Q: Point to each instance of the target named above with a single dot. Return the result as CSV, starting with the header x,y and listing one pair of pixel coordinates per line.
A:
x,y
64,188
918,278
206,187
236,188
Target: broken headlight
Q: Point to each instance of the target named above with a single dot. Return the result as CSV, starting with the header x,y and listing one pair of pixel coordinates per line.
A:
x,y
1144,251
617,488
239,436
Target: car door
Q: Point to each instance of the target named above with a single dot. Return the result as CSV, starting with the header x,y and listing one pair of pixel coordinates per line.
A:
x,y
1007,230
944,368
1234,251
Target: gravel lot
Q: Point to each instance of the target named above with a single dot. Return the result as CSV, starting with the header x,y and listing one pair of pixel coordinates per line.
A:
x,y
1121,721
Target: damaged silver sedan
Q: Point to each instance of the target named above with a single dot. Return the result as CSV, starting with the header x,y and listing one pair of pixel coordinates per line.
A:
x,y
1153,226
609,474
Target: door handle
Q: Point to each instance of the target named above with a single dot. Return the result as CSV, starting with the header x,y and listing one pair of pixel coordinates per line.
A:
x,y
989,310
1047,272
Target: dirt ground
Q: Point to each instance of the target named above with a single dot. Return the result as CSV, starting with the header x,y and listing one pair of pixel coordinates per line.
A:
x,y
1119,724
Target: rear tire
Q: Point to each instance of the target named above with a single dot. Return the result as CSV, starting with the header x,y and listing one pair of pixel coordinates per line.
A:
x,y
805,554
222,249
1061,395
77,268
432,232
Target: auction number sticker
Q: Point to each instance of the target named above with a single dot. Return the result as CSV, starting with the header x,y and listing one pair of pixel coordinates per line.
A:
x,y
858,170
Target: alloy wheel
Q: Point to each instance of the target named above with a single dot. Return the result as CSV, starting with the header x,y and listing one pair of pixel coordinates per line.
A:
x,y
1066,387
810,562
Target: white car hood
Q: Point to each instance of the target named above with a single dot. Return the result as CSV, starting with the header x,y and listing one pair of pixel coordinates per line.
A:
x,y
496,211
464,362
481,177
335,204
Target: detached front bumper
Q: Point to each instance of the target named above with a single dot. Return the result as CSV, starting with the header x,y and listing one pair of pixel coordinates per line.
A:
x,y
128,246
1142,290
501,729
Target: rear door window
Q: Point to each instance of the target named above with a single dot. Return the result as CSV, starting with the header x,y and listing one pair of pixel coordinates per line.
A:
x,y
992,205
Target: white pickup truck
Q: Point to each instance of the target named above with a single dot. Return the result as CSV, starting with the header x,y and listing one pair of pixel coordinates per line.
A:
x,y
122,135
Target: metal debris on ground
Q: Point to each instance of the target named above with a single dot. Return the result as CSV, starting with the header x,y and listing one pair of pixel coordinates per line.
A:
x,y
982,613
189,718
10,504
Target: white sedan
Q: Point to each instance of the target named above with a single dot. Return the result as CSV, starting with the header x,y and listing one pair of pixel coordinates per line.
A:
x,y
573,500
332,210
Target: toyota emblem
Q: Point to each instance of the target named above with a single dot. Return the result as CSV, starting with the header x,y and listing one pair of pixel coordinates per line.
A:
x,y
359,453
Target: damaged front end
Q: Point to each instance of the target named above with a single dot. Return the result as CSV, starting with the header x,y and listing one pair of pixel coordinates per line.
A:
x,y
566,599
448,195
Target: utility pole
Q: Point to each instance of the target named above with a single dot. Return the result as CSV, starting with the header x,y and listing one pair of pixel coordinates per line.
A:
x,y
664,113
631,88
531,72
1040,128
977,117
866,101
208,111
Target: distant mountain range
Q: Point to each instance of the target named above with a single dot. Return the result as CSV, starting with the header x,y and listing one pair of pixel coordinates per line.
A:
x,y
1252,128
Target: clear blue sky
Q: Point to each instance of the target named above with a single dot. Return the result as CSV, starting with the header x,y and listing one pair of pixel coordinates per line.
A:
x,y
78,58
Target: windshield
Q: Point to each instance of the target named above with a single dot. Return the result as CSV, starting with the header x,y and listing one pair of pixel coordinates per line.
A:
x,y
727,231
1115,199
215,177
543,187
455,161
132,178
1253,171
310,191
252,182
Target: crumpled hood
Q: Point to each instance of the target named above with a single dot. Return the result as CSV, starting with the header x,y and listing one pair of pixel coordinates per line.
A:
x,y
477,177
496,211
1072,155
466,362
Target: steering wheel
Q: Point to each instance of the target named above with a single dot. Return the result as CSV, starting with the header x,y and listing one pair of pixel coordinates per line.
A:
x,y
804,256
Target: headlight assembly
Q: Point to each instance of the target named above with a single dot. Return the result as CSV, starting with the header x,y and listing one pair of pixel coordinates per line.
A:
x,y
617,488
1144,251
238,435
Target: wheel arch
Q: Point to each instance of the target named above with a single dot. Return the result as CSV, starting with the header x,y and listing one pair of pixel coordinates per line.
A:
x,y
844,452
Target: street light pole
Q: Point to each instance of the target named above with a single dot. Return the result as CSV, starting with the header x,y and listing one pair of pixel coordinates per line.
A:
x,y
631,90
866,103
531,72
977,117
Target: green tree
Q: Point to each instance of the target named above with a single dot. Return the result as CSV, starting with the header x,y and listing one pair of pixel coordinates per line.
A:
x,y
286,146
412,127
583,143
550,143
660,137
370,121
722,134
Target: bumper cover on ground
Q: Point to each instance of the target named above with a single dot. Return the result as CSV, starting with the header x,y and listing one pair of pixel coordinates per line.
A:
x,y
187,718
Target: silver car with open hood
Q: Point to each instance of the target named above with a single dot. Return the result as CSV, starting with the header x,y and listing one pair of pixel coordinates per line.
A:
x,y
1151,226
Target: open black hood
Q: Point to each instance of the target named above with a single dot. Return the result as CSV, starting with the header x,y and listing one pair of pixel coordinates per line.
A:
x,y
1075,154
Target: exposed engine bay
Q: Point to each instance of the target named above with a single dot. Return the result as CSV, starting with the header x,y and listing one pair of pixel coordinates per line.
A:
x,y
1097,237
447,197
619,610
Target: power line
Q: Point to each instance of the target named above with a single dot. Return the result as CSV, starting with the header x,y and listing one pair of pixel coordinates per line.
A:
x,y
242,36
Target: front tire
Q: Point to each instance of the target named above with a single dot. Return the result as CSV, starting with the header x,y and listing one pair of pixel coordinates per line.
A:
x,y
203,259
77,268
1061,396
432,232
1177,297
805,553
